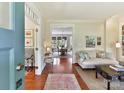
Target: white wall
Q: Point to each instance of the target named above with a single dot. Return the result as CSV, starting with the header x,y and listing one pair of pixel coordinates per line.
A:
x,y
81,29
90,29
113,34
29,24
32,26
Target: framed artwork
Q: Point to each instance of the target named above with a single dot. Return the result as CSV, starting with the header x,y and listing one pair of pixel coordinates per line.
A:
x,y
90,41
28,42
29,33
29,38
98,40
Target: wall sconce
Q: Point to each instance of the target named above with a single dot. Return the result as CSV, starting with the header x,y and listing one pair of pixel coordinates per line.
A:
x,y
48,50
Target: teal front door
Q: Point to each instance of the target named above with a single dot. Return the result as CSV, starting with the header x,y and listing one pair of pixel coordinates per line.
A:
x,y
12,49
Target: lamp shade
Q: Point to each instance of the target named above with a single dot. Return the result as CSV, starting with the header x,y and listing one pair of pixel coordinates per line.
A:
x,y
118,45
48,49
45,45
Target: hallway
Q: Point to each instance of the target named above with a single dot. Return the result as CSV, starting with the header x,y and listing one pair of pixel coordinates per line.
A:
x,y
63,65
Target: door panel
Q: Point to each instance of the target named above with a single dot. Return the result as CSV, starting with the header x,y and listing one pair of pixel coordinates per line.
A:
x,y
4,14
12,50
4,65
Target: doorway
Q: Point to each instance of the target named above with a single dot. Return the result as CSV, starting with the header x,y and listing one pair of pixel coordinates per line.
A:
x,y
62,41
30,37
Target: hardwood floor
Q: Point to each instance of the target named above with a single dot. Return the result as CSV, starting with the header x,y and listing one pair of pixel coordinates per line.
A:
x,y
63,65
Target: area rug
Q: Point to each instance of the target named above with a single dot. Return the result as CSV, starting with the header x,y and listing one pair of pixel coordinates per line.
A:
x,y
61,82
97,84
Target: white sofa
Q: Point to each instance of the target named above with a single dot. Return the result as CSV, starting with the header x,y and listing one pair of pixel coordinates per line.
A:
x,y
93,60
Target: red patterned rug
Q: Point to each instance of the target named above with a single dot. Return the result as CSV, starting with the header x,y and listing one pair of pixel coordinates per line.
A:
x,y
61,82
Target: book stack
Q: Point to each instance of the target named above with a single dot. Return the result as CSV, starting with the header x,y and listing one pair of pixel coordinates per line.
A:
x,y
117,67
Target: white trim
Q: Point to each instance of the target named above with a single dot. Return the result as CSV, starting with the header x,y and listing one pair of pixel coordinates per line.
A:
x,y
77,21
31,14
105,36
10,16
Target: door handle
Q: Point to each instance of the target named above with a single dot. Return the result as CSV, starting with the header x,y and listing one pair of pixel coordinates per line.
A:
x,y
19,67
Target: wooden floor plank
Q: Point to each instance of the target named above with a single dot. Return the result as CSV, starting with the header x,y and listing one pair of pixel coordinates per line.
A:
x,y
63,65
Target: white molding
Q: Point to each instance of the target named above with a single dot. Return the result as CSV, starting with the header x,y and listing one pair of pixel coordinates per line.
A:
x,y
77,21
30,12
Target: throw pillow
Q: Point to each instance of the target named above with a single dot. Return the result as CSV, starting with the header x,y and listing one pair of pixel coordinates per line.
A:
x,y
82,59
86,56
82,56
100,54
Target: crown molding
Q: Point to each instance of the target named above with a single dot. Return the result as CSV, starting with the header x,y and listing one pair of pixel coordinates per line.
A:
x,y
77,21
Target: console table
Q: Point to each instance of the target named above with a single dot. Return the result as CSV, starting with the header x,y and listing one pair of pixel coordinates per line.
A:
x,y
109,74
63,51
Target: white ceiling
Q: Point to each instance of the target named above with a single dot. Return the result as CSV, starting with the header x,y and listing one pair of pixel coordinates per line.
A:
x,y
80,10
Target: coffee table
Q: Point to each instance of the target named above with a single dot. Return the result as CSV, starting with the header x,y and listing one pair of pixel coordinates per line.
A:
x,y
109,74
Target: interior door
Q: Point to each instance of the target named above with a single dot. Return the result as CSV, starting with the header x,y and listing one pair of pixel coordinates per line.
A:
x,y
12,49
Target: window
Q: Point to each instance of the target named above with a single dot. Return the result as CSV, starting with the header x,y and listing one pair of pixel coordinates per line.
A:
x,y
5,15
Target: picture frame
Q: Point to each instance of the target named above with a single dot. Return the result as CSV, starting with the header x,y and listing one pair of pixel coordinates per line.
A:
x,y
90,41
28,42
98,40
28,33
